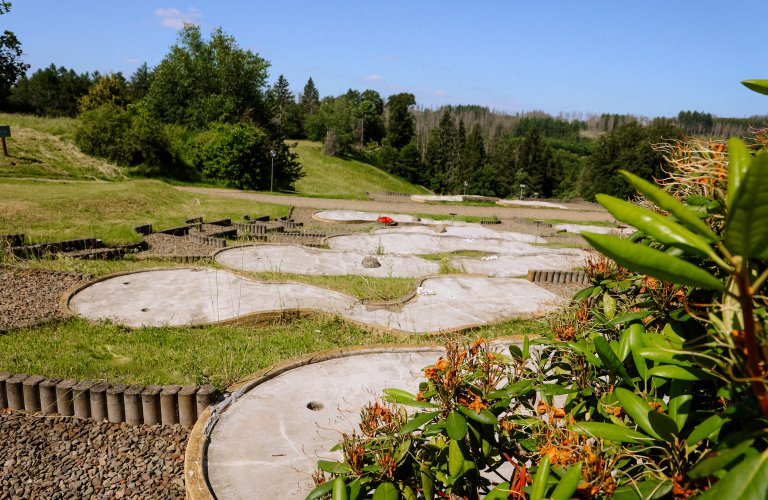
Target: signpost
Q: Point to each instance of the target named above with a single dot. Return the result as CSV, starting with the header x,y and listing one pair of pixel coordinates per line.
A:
x,y
5,131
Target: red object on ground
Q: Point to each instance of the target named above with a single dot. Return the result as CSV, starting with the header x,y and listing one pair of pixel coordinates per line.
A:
x,y
386,220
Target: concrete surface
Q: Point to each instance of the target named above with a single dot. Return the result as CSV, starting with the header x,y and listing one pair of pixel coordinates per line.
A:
x,y
532,203
349,216
177,297
304,260
269,440
313,261
415,240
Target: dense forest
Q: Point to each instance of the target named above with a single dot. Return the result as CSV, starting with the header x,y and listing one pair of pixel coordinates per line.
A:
x,y
208,111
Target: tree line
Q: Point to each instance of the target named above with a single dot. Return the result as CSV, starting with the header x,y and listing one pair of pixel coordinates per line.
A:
x,y
208,111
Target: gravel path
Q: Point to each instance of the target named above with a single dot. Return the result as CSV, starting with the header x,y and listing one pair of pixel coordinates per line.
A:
x,y
581,211
56,457
29,297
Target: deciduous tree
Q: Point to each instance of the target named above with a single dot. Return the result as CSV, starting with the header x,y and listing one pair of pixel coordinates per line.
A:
x,y
204,81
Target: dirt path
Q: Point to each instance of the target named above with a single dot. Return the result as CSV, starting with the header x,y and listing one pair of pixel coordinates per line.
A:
x,y
580,212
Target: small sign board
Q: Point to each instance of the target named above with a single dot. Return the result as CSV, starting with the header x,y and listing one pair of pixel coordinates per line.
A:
x,y
5,130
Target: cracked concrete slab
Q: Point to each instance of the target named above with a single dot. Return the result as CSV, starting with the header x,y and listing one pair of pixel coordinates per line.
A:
x,y
269,440
304,260
175,297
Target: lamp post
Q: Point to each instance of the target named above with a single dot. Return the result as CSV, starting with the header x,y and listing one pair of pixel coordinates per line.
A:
x,y
271,168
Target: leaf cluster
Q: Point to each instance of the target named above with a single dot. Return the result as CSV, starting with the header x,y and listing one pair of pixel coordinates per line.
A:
x,y
653,385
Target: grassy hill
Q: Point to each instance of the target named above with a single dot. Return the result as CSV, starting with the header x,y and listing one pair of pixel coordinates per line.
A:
x,y
344,178
42,148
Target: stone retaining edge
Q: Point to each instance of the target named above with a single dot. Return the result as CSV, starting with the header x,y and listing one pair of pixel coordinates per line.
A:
x,y
117,403
557,277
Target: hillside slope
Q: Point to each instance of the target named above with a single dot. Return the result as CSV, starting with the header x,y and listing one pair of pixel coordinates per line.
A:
x,y
42,148
343,178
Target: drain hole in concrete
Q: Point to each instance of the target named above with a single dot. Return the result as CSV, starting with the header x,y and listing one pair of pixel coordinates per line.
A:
x,y
126,283
315,405
144,310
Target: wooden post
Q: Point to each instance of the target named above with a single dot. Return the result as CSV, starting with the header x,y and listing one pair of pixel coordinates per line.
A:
x,y
5,131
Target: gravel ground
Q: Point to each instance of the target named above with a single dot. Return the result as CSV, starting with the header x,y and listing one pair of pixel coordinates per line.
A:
x,y
29,297
56,457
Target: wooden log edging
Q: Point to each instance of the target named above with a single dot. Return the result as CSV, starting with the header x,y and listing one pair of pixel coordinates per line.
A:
x,y
117,403
557,277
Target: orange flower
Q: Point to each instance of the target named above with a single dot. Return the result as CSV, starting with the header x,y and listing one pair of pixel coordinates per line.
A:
x,y
477,405
441,364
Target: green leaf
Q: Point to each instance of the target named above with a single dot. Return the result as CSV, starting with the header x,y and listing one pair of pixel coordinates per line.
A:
x,y
583,294
636,332
609,432
668,203
427,483
645,260
455,458
320,491
500,492
456,425
554,390
568,483
760,86
333,467
677,372
623,351
339,489
661,228
739,159
746,228
629,317
609,306
406,398
540,480
662,355
398,393
706,428
416,422
717,460
408,493
385,491
484,417
610,360
652,422
746,481
680,399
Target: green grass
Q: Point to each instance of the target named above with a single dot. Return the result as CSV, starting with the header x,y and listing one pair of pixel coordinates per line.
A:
x,y
344,178
475,254
221,355
47,211
60,127
43,148
361,287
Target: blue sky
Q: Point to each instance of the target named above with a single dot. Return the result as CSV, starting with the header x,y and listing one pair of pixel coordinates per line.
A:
x,y
648,58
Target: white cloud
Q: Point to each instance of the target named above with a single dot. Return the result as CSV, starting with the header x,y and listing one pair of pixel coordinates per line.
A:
x,y
176,19
371,78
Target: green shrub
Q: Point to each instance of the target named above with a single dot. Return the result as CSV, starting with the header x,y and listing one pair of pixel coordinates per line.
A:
x,y
241,156
131,138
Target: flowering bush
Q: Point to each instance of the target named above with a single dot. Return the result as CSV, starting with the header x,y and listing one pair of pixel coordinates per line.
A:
x,y
654,384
